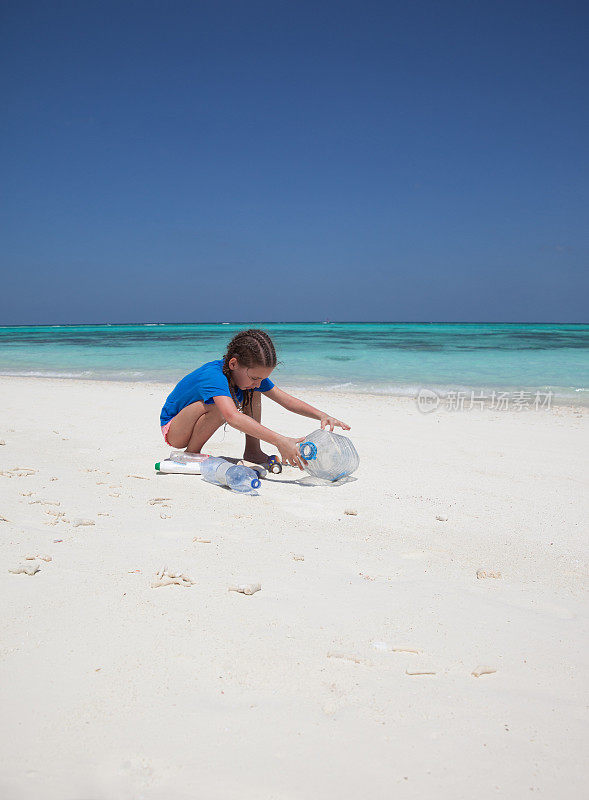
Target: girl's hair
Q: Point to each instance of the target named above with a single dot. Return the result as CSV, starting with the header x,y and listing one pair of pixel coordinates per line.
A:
x,y
252,348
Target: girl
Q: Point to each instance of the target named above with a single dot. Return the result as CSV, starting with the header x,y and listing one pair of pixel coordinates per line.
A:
x,y
228,390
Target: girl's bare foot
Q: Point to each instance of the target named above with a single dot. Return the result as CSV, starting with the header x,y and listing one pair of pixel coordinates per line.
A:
x,y
256,456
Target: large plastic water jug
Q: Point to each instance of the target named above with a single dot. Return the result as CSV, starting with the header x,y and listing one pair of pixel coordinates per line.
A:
x,y
329,455
224,473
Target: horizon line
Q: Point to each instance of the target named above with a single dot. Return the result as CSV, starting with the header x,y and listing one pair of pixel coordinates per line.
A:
x,y
290,322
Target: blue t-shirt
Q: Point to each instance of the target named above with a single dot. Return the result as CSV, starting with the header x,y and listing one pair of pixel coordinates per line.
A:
x,y
203,384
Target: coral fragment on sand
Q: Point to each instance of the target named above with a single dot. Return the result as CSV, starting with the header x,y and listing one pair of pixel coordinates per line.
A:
x,y
483,573
351,512
246,588
59,516
483,669
25,569
31,557
18,472
346,657
77,523
166,578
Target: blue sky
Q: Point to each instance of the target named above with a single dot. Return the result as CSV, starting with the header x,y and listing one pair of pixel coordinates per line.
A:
x,y
192,161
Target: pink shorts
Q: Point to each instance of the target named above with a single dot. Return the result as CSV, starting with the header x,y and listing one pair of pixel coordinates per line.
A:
x,y
165,429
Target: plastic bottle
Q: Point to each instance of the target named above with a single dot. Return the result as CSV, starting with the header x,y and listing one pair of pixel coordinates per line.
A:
x,y
242,479
224,473
328,455
182,457
181,462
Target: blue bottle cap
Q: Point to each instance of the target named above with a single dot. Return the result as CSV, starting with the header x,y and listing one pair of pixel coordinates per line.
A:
x,y
308,451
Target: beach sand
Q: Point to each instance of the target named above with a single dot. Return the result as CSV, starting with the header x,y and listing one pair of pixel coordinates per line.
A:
x,y
309,688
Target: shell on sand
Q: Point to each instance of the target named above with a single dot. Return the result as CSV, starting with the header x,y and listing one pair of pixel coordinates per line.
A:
x,y
79,522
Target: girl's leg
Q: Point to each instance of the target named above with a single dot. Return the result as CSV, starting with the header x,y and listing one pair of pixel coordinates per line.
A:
x,y
194,425
253,451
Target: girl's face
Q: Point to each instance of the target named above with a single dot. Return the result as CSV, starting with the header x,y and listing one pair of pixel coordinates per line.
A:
x,y
248,377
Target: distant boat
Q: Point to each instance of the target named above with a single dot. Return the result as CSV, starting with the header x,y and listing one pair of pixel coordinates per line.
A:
x,y
225,323
327,322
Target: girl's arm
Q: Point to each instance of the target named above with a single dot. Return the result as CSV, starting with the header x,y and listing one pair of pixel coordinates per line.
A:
x,y
289,451
304,409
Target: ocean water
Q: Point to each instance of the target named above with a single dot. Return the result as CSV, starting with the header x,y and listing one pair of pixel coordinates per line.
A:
x,y
383,358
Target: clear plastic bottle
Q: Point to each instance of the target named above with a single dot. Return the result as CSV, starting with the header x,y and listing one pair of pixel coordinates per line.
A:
x,y
182,457
329,456
242,479
224,473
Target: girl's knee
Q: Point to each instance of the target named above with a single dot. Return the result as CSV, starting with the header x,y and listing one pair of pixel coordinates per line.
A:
x,y
175,441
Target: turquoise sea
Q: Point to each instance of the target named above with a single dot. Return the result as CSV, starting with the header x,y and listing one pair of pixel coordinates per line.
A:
x,y
384,358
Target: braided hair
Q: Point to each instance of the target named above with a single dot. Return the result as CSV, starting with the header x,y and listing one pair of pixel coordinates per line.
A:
x,y
252,348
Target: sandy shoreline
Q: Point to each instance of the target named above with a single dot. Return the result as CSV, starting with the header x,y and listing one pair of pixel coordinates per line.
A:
x,y
113,689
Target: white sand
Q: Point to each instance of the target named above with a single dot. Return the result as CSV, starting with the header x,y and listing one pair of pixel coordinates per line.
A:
x,y
113,689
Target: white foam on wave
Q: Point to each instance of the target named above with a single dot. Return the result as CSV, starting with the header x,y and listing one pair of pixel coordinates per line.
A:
x,y
121,375
568,395
44,374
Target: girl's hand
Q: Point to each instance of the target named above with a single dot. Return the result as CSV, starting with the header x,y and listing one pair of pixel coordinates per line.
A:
x,y
332,422
290,453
